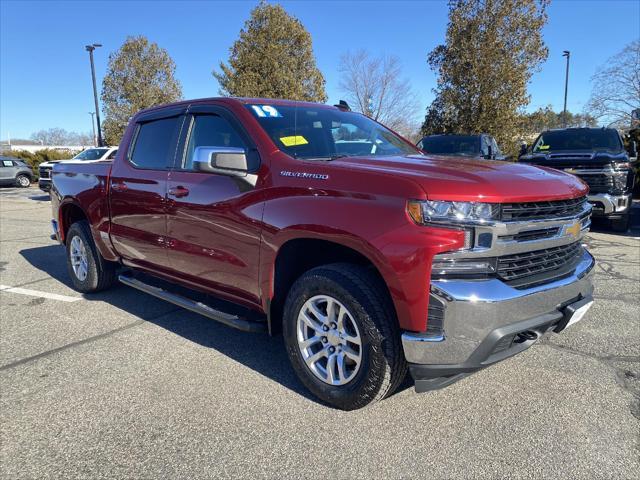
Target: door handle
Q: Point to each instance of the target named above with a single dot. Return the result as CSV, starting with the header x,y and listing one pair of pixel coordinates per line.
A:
x,y
178,192
118,186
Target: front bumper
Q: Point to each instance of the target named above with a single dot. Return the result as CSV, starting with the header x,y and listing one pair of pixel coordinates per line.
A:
x,y
609,205
486,321
44,184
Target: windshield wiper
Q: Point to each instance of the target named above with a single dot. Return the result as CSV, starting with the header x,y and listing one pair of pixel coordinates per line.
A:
x,y
327,158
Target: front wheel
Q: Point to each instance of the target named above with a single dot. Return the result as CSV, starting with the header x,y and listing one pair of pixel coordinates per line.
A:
x,y
342,336
23,181
89,272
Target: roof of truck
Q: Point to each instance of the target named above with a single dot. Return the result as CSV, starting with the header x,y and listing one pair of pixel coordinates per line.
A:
x,y
242,100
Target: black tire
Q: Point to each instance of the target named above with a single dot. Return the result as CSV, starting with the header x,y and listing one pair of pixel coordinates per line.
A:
x,y
383,365
101,274
23,181
621,224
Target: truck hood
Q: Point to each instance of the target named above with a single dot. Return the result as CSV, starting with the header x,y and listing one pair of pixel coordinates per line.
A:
x,y
51,163
468,179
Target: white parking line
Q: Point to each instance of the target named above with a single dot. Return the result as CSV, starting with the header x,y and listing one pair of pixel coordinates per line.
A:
x,y
35,293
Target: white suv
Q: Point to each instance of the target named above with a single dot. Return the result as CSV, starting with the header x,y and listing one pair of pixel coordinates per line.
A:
x,y
89,155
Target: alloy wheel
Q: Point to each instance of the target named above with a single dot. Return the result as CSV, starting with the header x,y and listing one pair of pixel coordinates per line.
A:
x,y
78,256
329,340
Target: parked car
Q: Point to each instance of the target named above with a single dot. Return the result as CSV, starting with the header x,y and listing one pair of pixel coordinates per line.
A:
x,y
476,146
88,155
369,257
15,172
598,157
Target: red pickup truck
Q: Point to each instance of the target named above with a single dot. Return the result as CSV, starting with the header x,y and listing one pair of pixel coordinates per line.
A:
x,y
319,223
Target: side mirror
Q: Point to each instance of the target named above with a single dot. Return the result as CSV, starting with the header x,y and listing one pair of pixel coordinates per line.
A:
x,y
523,149
225,160
489,153
633,149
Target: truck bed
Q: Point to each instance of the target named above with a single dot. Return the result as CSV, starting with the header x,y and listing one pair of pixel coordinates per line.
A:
x,y
86,184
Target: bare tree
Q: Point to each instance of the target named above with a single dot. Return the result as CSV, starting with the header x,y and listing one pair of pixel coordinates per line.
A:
x,y
616,88
60,136
374,86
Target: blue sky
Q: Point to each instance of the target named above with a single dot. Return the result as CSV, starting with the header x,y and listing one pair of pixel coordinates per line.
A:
x,y
45,78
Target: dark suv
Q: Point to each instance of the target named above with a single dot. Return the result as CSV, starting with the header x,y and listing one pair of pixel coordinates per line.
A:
x,y
477,146
597,156
15,172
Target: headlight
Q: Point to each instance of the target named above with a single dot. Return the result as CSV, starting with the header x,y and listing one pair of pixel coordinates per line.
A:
x,y
620,179
436,211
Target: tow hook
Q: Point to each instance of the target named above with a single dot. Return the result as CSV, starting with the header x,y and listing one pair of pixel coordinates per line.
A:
x,y
528,335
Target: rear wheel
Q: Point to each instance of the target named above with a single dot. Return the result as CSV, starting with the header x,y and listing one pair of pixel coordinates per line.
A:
x,y
23,181
342,336
621,224
89,272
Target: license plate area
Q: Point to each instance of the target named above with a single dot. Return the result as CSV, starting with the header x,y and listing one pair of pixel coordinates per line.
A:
x,y
574,312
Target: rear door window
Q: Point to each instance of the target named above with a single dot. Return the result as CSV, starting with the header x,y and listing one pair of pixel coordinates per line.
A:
x,y
155,143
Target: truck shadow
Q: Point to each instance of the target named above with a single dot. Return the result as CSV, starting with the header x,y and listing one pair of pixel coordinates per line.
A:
x,y
264,354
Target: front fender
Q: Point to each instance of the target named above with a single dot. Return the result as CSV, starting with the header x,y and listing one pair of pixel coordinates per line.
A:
x,y
376,226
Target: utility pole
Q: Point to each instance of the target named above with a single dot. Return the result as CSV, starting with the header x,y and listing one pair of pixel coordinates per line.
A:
x,y
93,127
90,49
566,54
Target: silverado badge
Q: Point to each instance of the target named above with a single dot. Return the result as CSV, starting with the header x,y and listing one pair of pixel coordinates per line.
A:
x,y
573,230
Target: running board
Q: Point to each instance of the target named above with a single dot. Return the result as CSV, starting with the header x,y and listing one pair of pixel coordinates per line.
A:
x,y
230,320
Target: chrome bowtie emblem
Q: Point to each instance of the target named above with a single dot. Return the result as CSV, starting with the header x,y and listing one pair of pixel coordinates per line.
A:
x,y
573,229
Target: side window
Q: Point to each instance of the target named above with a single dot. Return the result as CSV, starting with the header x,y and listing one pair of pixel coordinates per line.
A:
x,y
155,143
7,163
112,155
211,131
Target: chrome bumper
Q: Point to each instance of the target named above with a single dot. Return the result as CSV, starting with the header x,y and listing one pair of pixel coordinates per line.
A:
x,y
610,203
476,308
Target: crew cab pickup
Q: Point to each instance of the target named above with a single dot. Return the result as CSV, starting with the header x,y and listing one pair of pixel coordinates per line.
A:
x,y
318,223
598,157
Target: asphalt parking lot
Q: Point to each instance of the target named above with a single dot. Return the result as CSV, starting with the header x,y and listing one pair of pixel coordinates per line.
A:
x,y
120,384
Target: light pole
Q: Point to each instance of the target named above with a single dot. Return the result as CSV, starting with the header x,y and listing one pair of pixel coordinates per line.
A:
x,y
566,54
93,127
90,49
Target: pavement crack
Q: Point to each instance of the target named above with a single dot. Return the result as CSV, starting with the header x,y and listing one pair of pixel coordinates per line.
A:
x,y
625,379
70,345
85,340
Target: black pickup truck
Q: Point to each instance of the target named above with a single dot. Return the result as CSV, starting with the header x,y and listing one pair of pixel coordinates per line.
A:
x,y
598,157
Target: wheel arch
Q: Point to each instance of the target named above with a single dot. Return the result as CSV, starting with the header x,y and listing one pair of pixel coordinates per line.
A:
x,y
69,213
299,255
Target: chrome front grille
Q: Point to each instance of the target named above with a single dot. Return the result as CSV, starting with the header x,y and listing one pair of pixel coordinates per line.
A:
x,y
537,243
539,263
531,235
548,210
598,183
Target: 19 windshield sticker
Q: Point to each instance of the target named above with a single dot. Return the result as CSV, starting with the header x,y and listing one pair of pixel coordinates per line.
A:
x,y
266,111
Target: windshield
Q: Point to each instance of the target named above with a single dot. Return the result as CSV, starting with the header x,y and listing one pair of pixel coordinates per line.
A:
x,y
467,145
579,139
90,154
326,133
